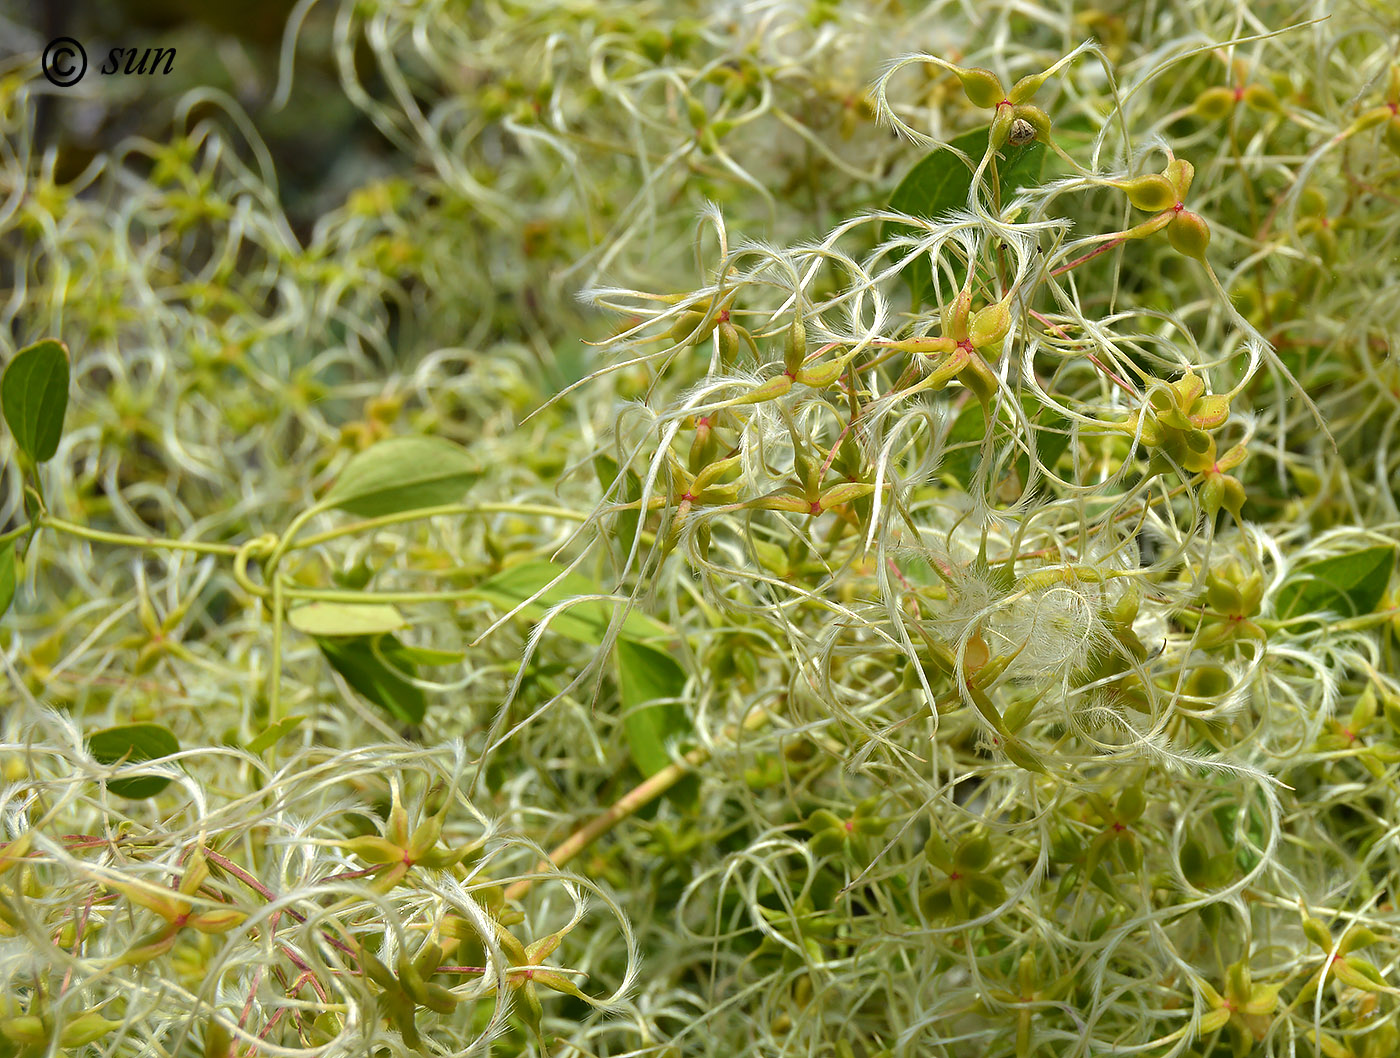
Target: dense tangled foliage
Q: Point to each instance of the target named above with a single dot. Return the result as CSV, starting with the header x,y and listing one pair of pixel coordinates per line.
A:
x,y
759,529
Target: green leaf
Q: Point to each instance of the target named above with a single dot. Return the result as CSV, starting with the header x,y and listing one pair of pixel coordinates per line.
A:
x,y
345,619
1349,585
7,575
275,733
942,181
584,622
372,676
34,395
403,474
645,676
132,742
1051,431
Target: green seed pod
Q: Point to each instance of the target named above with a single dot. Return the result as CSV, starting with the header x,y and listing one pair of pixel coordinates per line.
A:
x,y
979,378
1214,103
1131,804
373,849
827,842
1152,193
1189,234
1033,116
954,316
84,1029
425,836
686,329
1392,134
1233,496
728,344
1261,97
1316,932
1024,89
1213,494
410,980
217,921
1194,863
774,388
986,890
1369,120
218,1042
1130,850
1180,172
376,971
429,959
1001,127
982,87
1023,757
704,448
936,903
1224,598
439,999
25,1029
988,329
1312,203
973,855
795,351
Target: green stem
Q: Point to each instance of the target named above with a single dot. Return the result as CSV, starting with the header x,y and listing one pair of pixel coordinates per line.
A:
x,y
125,539
433,512
274,695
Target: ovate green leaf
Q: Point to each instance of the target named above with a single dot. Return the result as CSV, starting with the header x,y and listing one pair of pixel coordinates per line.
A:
x,y
1350,584
345,619
374,670
403,474
7,575
942,181
649,679
585,622
134,742
1050,428
34,395
275,733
